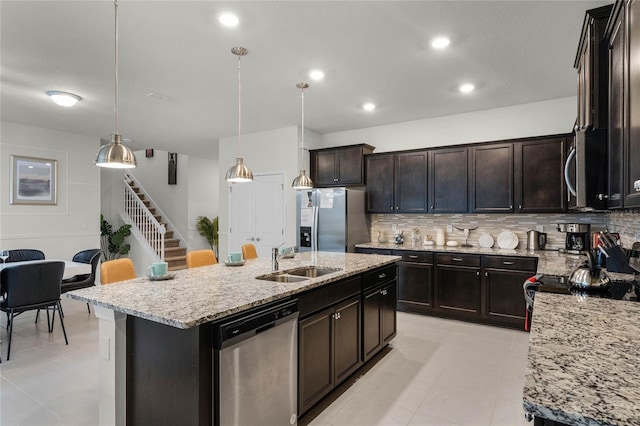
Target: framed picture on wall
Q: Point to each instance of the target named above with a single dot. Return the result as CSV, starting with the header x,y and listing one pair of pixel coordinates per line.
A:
x,y
33,180
173,168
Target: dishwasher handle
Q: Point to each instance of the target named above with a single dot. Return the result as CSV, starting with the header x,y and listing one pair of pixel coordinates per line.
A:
x,y
242,328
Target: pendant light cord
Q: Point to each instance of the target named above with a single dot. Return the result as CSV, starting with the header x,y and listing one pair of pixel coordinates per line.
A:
x,y
302,132
115,105
239,105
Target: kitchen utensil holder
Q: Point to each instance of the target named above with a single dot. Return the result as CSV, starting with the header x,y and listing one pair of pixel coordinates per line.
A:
x,y
617,261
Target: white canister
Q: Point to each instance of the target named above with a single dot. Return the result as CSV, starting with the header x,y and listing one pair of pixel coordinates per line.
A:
x,y
440,237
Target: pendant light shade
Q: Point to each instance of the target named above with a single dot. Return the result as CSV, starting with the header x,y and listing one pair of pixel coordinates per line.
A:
x,y
302,181
239,172
114,154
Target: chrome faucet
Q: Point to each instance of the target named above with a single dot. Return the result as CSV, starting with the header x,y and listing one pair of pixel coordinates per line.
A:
x,y
275,257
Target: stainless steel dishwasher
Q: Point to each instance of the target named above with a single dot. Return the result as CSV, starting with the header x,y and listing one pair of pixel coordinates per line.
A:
x,y
256,368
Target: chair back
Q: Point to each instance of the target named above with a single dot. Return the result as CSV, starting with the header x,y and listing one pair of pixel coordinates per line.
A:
x,y
19,255
83,281
116,270
32,284
198,258
249,251
85,256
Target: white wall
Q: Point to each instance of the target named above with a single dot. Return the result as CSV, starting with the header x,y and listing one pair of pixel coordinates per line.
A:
x,y
203,197
73,224
274,151
534,119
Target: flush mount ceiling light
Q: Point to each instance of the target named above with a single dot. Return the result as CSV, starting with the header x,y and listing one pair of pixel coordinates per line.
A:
x,y
466,88
316,75
440,42
239,172
302,181
63,98
228,19
369,106
114,155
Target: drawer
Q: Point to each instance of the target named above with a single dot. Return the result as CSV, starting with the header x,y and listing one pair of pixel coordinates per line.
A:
x,y
415,256
373,251
379,276
323,297
510,262
458,259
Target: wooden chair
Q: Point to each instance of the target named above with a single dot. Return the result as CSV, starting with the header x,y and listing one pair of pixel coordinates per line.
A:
x,y
116,270
198,258
249,251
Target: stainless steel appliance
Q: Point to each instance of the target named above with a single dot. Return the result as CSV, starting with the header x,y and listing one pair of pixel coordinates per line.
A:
x,y
331,219
256,368
578,237
536,240
585,171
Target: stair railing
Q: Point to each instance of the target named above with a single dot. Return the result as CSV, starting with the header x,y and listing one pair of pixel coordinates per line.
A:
x,y
140,218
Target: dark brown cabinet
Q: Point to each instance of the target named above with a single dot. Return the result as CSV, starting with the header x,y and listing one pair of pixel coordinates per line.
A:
x,y
341,166
617,107
379,318
329,350
491,178
448,180
397,183
631,162
591,65
415,281
502,279
458,284
539,175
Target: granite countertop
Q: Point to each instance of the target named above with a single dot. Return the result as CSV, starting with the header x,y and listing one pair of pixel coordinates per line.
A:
x,y
200,295
583,361
550,262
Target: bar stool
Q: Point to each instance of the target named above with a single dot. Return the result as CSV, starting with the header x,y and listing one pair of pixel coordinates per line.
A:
x,y
198,258
249,251
117,270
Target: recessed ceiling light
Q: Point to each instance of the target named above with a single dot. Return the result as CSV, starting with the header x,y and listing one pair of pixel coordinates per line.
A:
x,y
440,42
369,106
466,88
316,75
63,98
228,19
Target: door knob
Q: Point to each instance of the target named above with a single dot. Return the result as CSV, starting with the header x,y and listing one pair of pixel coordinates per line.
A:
x,y
251,239
258,239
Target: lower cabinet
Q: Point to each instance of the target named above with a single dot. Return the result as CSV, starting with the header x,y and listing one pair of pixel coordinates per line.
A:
x,y
329,350
458,284
415,281
379,318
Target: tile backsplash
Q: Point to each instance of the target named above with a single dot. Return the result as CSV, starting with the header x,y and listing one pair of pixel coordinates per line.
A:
x,y
627,223
493,224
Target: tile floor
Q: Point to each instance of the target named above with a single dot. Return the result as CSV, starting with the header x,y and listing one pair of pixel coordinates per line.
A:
x,y
435,372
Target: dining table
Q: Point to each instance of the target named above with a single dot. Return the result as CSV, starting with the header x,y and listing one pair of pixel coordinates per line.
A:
x,y
71,268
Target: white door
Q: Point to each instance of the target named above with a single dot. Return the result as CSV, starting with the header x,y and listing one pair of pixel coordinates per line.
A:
x,y
256,214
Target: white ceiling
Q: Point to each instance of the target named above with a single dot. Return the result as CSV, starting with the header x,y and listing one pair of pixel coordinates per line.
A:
x,y
514,52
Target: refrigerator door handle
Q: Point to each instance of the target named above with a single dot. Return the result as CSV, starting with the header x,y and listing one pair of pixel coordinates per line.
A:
x,y
314,246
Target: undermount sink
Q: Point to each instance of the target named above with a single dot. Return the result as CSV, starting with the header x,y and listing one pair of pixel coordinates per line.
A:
x,y
298,274
312,271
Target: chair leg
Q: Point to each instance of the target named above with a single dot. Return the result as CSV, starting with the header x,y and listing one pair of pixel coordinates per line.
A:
x,y
37,315
48,321
10,334
53,318
61,311
64,331
88,308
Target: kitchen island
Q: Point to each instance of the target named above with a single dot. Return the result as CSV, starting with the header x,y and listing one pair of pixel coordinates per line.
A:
x,y
155,337
583,361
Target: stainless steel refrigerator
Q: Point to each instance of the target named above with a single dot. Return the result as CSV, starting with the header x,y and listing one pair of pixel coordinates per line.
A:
x,y
331,219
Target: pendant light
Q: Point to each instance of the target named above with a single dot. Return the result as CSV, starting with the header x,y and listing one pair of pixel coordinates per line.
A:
x,y
115,155
239,172
302,181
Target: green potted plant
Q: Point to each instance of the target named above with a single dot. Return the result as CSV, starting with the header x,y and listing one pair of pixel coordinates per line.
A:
x,y
209,229
112,244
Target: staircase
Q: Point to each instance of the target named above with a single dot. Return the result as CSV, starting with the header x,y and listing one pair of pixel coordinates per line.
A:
x,y
174,255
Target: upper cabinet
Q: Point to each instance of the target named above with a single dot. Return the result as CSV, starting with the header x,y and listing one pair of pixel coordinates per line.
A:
x,y
397,183
448,191
491,183
631,161
616,43
341,166
592,66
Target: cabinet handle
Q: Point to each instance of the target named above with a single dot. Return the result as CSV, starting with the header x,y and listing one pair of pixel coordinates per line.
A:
x,y
486,274
508,263
384,292
413,256
457,259
338,315
396,207
478,273
511,207
333,316
431,207
382,275
520,207
391,208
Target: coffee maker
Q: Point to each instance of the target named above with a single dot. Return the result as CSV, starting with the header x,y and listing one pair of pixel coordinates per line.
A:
x,y
577,239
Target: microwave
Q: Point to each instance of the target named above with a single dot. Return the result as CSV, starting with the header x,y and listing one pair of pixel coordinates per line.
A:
x,y
585,170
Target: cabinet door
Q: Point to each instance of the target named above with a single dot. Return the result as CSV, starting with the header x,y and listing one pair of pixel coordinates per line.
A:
x,y
315,359
616,112
539,176
504,300
458,290
415,287
411,182
372,337
324,172
388,312
379,173
492,178
632,151
448,181
346,339
349,166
